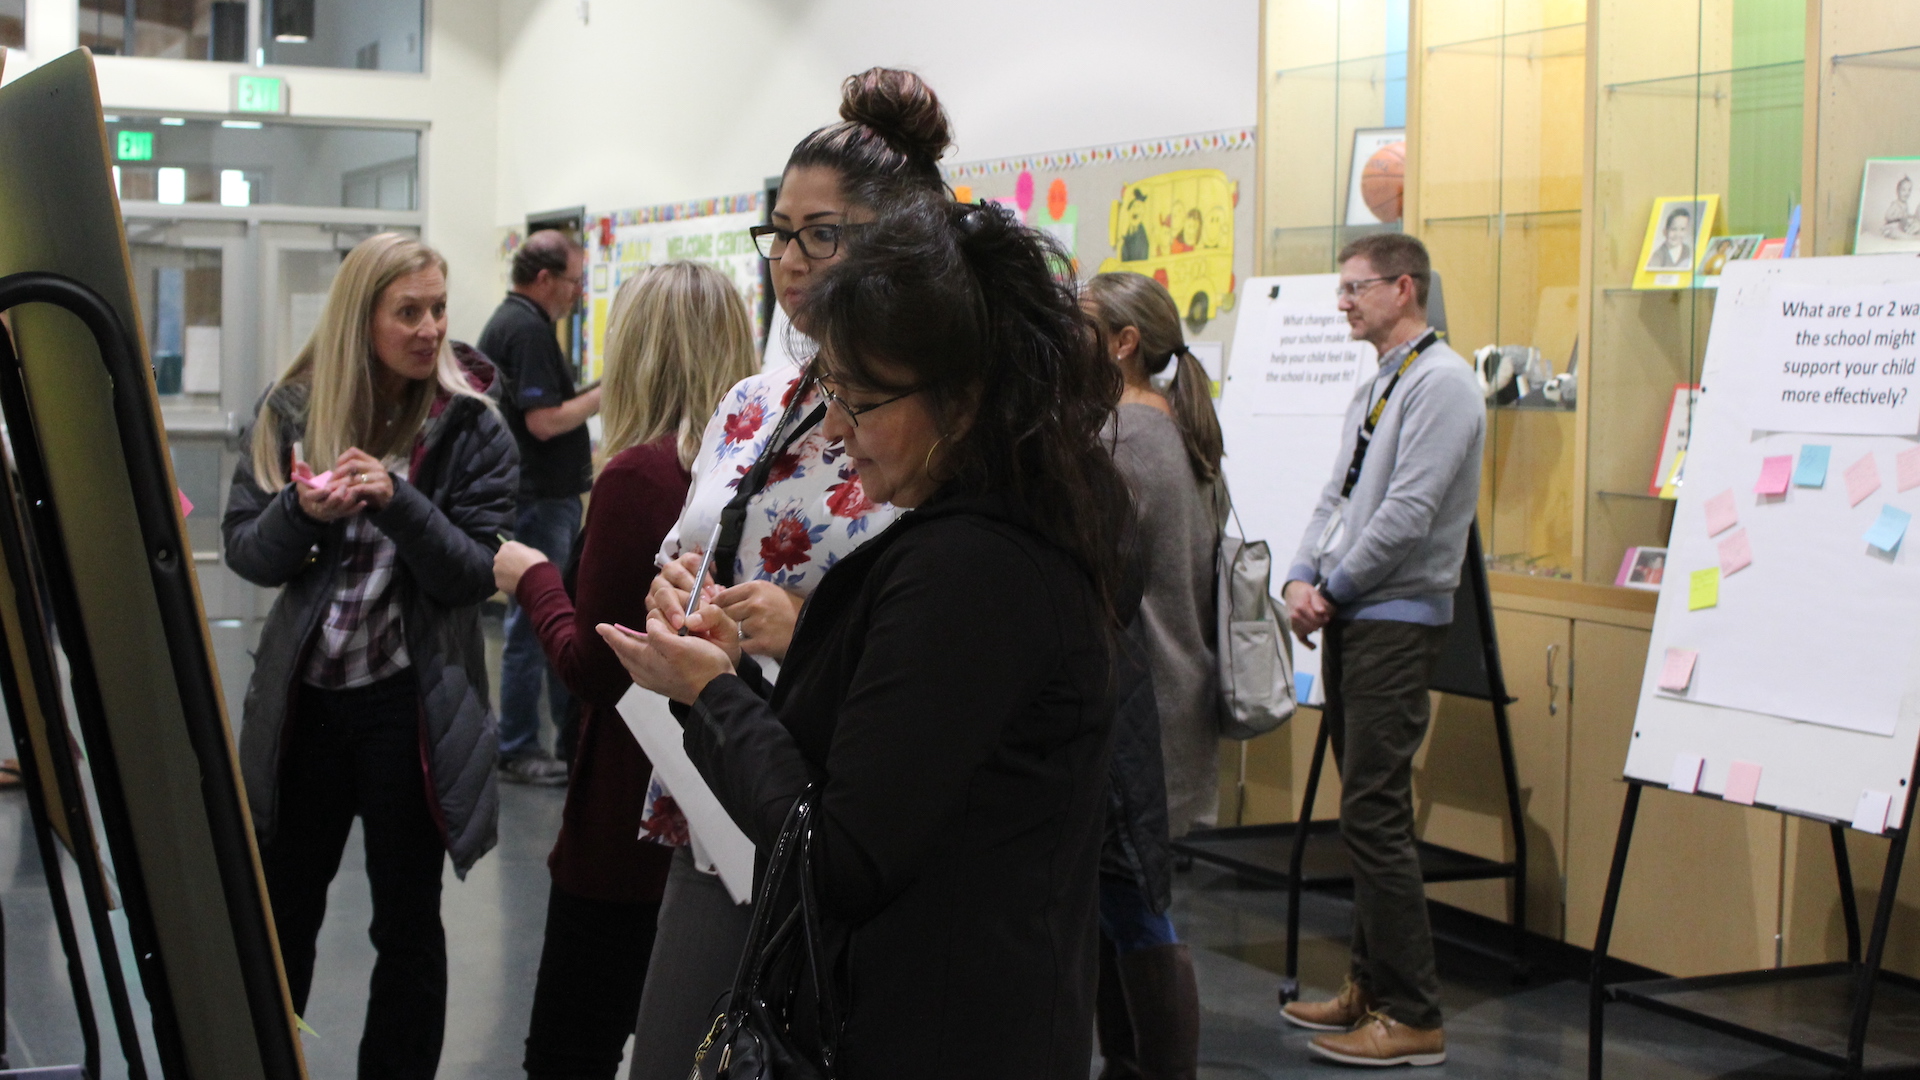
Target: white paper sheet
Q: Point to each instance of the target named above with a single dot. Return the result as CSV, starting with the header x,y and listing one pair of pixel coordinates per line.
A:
x,y
1839,358
659,735
201,372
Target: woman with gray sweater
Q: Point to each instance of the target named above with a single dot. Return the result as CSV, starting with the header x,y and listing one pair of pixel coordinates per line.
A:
x,y
1168,446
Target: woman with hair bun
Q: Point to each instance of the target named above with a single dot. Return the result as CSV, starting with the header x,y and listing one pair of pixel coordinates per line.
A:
x,y
1168,446
797,507
949,692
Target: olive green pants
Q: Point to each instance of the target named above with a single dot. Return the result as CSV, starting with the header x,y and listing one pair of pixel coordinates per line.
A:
x,y
1377,711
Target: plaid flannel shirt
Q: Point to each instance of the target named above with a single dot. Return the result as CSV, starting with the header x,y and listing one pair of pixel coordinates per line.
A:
x,y
361,638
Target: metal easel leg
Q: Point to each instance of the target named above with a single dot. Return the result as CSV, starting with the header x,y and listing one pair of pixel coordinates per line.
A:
x,y
1868,972
1849,906
1516,816
1290,982
1597,986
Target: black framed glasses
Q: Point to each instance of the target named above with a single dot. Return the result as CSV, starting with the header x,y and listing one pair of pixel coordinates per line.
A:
x,y
855,412
816,241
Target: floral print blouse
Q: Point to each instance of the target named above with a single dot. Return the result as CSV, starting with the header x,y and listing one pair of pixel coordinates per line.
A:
x,y
811,513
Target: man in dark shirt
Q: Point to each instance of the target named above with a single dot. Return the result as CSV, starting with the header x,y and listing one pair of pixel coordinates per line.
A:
x,y
548,416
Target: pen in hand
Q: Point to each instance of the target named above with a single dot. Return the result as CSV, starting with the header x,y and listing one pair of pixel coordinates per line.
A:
x,y
693,597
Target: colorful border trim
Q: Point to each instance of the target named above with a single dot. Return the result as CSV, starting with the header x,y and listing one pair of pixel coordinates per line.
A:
x,y
1144,150
693,208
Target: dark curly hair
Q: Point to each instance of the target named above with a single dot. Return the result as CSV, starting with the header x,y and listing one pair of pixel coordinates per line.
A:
x,y
975,310
891,134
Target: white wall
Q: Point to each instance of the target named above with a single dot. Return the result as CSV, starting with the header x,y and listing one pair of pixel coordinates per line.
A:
x,y
659,100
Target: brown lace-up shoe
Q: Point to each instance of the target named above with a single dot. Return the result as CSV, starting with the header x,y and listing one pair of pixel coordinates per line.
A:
x,y
1379,1039
1340,1014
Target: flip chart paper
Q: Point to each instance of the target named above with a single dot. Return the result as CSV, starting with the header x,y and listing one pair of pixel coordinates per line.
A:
x,y
1837,361
1686,773
1743,783
1678,671
1812,470
1887,531
1774,474
1736,554
1871,814
1703,589
1906,467
1863,479
1721,514
658,733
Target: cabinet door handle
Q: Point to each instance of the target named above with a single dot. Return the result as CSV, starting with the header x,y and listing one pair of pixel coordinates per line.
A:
x,y
1553,689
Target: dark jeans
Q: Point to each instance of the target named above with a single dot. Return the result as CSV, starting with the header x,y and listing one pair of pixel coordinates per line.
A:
x,y
1127,919
1377,711
351,753
592,966
548,526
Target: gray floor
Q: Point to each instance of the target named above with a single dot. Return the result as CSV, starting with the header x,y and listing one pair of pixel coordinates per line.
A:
x,y
494,920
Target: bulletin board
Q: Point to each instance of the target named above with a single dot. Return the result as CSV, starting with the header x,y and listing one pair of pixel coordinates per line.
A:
x,y
1133,206
620,243
1791,605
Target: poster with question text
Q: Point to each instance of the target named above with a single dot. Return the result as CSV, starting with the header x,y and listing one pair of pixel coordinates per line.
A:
x,y
1840,359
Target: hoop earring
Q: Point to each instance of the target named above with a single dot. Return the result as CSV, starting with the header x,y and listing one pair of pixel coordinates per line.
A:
x,y
927,465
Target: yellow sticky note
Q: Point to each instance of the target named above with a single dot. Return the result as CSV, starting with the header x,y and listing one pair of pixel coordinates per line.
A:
x,y
1670,487
1703,589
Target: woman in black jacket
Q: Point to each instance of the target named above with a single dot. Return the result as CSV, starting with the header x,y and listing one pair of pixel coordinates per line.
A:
x,y
948,685
369,691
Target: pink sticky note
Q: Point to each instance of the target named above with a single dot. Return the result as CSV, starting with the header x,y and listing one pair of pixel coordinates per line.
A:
x,y
318,482
186,504
1735,553
1677,675
1721,514
1775,474
1863,479
1743,783
1906,464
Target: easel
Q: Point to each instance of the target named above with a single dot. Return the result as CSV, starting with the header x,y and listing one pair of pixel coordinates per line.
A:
x,y
1846,987
1316,858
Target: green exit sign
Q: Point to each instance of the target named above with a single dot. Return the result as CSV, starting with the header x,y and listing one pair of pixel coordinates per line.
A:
x,y
134,146
259,94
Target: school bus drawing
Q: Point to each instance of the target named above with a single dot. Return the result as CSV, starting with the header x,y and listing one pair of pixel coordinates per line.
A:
x,y
1177,228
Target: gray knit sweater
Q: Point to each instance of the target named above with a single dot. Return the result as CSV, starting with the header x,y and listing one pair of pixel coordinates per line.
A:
x,y
1400,552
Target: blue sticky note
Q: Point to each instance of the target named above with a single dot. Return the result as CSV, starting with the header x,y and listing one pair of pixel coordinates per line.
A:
x,y
1812,470
1302,686
1887,532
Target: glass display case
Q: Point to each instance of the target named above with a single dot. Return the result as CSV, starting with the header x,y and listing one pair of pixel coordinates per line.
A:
x,y
1334,96
1707,113
1495,192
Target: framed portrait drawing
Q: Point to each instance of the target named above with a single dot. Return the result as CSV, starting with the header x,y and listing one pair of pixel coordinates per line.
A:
x,y
1717,251
1889,206
1643,568
1675,230
1673,436
1377,176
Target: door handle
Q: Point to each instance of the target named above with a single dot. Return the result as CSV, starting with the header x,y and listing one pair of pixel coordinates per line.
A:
x,y
1553,689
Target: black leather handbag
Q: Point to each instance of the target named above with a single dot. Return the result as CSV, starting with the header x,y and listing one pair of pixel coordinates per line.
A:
x,y
757,1037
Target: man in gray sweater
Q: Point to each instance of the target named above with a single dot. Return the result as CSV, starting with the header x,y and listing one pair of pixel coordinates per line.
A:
x,y
1377,571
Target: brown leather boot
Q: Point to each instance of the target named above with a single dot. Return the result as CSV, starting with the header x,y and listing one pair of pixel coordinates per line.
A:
x,y
1163,1002
1347,1009
1382,1040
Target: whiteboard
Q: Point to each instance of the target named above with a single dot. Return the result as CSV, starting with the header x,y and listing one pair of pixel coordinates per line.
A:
x,y
1800,637
1277,465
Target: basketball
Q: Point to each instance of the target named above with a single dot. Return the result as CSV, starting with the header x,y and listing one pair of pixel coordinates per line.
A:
x,y
1383,181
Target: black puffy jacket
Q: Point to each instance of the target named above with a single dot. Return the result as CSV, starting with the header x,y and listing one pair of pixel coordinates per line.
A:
x,y
446,522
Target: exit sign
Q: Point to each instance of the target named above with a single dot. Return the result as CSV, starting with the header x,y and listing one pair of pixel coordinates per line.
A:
x,y
259,94
134,146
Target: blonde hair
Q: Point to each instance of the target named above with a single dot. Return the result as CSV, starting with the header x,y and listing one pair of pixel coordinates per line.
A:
x,y
1122,299
677,339
336,368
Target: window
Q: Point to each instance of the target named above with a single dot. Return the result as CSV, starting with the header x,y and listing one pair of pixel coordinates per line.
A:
x,y
13,24
174,160
178,29
373,35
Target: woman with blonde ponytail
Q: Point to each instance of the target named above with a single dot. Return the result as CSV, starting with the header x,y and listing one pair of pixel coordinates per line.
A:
x,y
1168,446
369,690
677,338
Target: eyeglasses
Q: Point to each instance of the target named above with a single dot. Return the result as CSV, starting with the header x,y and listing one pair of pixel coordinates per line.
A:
x,y
816,241
1347,290
854,412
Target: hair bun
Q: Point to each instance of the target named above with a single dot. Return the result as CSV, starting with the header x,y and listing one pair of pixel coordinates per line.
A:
x,y
901,108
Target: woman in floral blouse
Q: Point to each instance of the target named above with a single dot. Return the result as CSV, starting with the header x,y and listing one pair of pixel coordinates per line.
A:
x,y
807,513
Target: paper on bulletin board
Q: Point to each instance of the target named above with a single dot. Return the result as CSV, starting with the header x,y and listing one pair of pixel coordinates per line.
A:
x,y
659,735
1840,359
